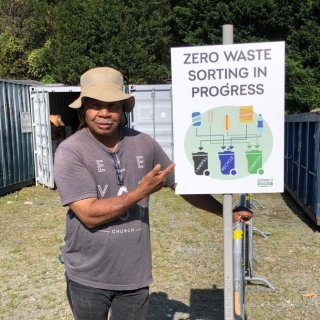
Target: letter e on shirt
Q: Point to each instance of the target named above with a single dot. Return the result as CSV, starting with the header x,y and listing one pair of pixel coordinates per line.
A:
x,y
140,162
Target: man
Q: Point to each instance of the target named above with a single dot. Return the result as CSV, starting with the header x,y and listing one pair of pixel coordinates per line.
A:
x,y
105,173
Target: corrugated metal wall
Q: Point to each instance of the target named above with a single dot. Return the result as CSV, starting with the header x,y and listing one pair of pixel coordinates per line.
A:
x,y
16,151
302,161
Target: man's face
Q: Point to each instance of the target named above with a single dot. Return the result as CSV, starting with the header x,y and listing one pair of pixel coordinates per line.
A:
x,y
103,118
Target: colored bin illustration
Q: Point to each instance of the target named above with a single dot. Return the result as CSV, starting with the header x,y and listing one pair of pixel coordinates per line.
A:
x,y
227,163
200,160
254,158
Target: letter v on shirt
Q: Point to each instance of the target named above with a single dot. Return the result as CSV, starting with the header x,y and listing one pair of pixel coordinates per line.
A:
x,y
102,191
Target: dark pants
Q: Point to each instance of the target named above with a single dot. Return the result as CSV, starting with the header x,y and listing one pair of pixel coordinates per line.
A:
x,y
94,304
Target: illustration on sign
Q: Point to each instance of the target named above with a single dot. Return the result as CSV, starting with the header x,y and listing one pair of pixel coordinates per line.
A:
x,y
227,138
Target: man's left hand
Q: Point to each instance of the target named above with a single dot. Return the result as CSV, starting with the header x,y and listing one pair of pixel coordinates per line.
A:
x,y
242,214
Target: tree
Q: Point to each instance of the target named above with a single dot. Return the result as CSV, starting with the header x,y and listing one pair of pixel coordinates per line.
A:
x,y
132,36
11,56
56,41
198,22
24,26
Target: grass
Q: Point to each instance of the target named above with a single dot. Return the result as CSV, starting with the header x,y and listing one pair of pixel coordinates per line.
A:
x,y
32,223
187,260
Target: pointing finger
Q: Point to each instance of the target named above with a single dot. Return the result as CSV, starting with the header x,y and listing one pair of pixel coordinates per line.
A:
x,y
167,170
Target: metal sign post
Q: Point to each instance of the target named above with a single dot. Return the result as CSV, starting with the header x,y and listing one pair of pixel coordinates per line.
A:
x,y
227,38
228,257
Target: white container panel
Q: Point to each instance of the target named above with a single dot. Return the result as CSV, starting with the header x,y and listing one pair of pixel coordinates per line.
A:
x,y
152,114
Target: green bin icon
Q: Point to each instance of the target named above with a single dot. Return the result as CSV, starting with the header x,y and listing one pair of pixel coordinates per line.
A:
x,y
254,158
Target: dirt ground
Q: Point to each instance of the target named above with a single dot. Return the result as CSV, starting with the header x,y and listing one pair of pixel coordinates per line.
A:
x,y
187,259
288,259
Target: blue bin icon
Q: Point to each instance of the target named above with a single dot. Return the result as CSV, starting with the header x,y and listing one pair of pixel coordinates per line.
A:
x,y
227,163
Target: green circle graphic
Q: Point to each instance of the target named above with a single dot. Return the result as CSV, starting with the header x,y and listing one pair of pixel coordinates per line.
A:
x,y
228,142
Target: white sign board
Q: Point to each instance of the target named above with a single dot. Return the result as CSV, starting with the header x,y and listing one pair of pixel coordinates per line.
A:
x,y
228,118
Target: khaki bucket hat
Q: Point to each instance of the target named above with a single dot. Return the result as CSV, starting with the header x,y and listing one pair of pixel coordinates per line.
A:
x,y
104,84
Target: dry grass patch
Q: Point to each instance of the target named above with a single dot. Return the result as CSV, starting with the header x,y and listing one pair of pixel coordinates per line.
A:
x,y
187,259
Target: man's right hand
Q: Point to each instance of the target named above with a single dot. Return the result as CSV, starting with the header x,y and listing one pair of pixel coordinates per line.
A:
x,y
154,180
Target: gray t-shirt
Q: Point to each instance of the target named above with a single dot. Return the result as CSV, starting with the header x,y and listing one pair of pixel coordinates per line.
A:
x,y
114,256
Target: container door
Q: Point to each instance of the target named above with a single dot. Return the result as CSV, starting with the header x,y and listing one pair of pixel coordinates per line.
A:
x,y
152,114
43,159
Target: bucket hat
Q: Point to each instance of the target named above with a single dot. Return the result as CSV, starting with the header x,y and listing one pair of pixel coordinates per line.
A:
x,y
103,84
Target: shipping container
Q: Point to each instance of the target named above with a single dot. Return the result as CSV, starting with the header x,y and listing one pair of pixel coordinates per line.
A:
x,y
152,113
53,121
302,162
16,147
29,133
35,118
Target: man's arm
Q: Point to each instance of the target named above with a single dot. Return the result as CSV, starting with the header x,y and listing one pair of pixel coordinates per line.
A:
x,y
208,203
93,212
204,202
